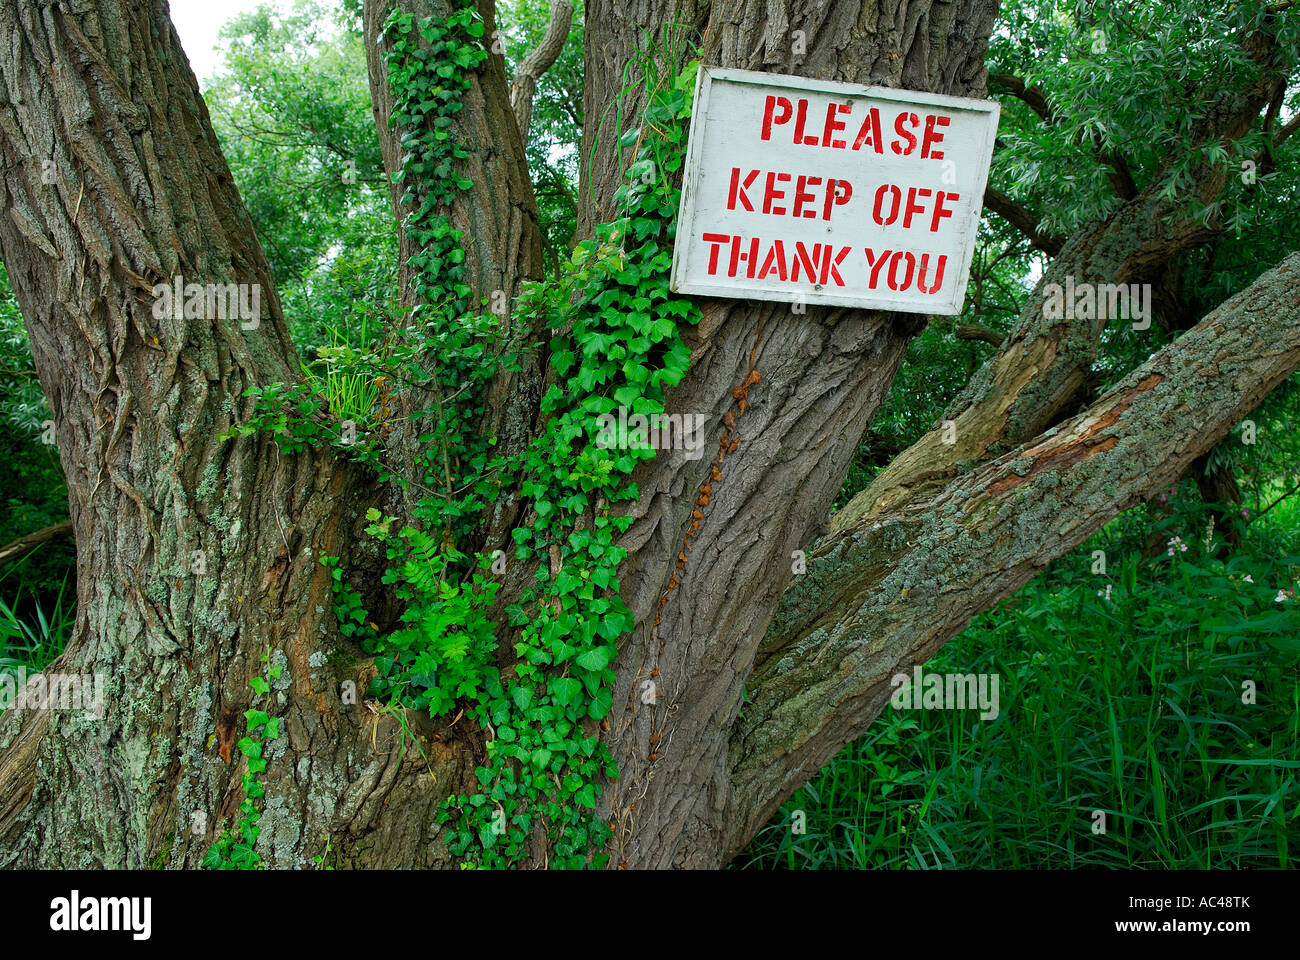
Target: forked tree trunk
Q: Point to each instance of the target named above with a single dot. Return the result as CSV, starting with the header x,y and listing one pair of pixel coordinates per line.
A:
x,y
136,192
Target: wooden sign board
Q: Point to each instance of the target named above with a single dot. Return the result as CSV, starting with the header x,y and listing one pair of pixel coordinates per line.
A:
x,y
808,191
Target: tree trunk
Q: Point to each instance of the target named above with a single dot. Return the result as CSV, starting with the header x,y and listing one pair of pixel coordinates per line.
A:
x,y
824,373
500,234
112,182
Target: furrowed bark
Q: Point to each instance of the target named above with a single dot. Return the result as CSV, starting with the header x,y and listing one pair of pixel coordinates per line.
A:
x,y
139,193
616,36
886,592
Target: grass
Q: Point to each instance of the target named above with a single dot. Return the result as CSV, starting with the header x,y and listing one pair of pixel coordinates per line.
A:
x,y
33,640
345,378
1129,703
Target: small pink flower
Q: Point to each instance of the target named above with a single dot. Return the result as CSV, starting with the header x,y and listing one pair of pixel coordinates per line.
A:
x,y
1245,514
1249,579
1281,596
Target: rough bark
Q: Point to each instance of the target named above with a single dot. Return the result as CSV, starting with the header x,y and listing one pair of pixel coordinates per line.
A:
x,y
616,33
1044,364
135,191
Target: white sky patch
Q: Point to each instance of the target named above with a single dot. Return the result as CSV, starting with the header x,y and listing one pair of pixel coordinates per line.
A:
x,y
197,22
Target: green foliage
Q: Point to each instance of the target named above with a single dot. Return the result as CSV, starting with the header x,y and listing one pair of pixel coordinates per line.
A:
x,y
1133,81
1126,88
297,416
348,377
443,652
292,113
294,119
32,641
35,495
237,849
616,343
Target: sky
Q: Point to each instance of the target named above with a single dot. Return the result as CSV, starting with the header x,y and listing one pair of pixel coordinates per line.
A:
x,y
197,22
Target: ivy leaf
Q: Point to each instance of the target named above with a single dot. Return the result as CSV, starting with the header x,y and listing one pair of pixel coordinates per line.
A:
x,y
595,659
565,690
600,704
522,696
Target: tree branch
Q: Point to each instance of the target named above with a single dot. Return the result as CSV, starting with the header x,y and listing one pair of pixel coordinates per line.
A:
x,y
1291,127
538,62
971,331
30,540
1020,218
1033,96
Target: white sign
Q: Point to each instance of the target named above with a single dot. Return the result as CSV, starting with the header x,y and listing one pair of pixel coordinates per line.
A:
x,y
808,191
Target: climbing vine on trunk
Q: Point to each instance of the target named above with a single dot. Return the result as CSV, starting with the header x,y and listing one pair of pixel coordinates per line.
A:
x,y
616,347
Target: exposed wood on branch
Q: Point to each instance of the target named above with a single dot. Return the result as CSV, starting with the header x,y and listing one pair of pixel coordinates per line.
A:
x,y
28,541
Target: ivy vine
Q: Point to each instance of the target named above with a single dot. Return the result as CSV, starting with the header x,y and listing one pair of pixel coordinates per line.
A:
x,y
236,849
615,344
